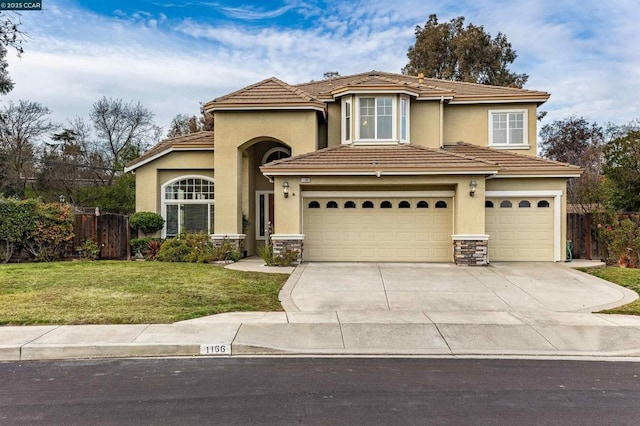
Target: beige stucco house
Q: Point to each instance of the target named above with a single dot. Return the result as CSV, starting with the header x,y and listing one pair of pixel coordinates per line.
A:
x,y
369,167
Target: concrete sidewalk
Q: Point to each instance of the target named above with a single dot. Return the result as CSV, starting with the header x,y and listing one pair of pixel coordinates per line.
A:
x,y
515,318
478,333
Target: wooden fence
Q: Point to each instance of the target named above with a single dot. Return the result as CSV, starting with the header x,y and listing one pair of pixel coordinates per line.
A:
x,y
582,232
110,231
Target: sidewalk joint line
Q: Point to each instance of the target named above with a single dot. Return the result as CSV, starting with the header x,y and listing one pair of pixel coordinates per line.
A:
x,y
341,331
140,334
443,338
386,296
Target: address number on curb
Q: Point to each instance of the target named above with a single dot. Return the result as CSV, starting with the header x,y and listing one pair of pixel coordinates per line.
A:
x,y
221,349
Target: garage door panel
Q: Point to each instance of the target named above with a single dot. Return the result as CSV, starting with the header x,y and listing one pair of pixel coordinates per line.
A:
x,y
520,233
377,234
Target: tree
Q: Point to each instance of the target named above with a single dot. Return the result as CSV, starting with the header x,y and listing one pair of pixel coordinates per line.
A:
x,y
22,127
622,171
183,124
123,129
451,51
576,141
10,36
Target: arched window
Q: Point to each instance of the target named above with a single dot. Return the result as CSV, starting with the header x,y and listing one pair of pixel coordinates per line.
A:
x,y
332,205
543,204
188,206
386,205
505,204
524,204
404,205
314,205
441,204
277,153
367,205
349,205
422,205
488,204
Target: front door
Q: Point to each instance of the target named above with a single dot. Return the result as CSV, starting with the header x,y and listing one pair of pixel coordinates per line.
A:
x,y
265,213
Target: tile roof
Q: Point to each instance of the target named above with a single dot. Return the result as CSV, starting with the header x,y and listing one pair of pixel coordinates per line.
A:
x,y
459,91
199,140
269,92
413,159
512,163
347,159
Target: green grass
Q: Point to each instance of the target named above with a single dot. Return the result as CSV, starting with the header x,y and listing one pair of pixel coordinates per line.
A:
x,y
626,277
113,292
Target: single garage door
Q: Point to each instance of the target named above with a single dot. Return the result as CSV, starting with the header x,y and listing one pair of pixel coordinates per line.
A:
x,y
520,229
378,229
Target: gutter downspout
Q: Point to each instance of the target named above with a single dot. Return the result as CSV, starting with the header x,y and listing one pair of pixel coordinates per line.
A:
x,y
441,121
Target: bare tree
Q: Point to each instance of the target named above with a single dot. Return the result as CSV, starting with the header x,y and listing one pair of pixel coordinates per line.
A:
x,y
123,130
22,127
183,124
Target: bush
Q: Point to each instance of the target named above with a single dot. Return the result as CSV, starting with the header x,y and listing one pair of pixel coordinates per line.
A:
x,y
17,220
622,240
90,250
196,248
146,222
45,230
174,250
266,253
139,244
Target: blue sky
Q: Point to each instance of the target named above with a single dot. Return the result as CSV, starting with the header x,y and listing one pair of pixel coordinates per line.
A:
x,y
173,54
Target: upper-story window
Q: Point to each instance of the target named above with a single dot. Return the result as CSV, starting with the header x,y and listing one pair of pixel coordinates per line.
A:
x,y
375,118
508,128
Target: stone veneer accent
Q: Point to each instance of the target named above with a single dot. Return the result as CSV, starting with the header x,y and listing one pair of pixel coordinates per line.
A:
x,y
236,240
283,243
470,251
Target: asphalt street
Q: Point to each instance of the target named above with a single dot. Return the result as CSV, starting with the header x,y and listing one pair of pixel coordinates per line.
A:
x,y
313,391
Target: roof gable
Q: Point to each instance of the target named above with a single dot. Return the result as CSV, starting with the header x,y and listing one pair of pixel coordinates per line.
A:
x,y
194,141
269,93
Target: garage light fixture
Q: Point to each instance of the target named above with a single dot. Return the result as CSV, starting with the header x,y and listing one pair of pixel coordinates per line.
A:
x,y
285,189
472,188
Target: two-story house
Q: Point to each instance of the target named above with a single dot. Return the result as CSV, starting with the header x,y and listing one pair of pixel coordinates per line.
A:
x,y
367,167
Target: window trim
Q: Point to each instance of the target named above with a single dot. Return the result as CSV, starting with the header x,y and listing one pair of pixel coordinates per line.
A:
x,y
165,202
352,103
525,129
275,149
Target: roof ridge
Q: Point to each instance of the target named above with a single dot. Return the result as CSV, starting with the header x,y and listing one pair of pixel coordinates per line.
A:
x,y
455,154
516,154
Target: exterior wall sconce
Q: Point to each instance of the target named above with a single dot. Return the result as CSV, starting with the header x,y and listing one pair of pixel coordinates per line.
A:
x,y
285,189
472,188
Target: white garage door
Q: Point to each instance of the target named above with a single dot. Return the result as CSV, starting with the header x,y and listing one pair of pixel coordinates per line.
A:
x,y
378,229
520,229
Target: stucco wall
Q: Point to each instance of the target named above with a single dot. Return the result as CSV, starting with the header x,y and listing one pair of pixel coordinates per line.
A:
x,y
239,130
150,177
470,123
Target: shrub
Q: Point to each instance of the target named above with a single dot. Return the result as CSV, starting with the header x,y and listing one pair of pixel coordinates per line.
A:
x,y
193,247
90,250
53,233
174,250
622,241
266,253
139,244
146,222
17,220
153,248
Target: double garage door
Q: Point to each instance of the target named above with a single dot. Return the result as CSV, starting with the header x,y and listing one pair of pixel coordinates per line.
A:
x,y
371,229
520,229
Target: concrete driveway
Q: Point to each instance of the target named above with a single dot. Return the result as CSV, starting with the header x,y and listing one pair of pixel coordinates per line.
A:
x,y
501,287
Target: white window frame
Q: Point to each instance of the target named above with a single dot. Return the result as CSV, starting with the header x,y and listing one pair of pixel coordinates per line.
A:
x,y
347,127
404,100
166,202
525,129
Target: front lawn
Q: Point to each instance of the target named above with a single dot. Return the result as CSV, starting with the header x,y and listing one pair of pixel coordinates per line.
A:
x,y
113,292
626,277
